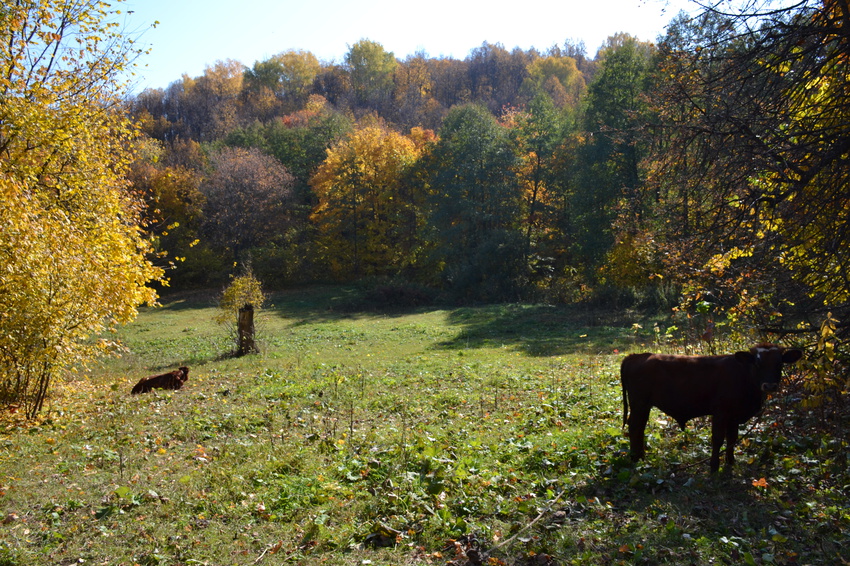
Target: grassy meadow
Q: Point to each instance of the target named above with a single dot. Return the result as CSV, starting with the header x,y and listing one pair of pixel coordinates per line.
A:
x,y
477,435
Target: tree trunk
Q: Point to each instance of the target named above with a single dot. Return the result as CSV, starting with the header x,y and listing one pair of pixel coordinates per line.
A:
x,y
245,328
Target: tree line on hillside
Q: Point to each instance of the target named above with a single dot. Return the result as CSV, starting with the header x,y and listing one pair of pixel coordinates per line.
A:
x,y
474,178
710,168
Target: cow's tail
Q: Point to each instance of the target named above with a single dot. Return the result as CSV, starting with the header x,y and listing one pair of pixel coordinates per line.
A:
x,y
625,407
625,393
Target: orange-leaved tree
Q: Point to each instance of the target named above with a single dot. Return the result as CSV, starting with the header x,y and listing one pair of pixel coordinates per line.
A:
x,y
74,257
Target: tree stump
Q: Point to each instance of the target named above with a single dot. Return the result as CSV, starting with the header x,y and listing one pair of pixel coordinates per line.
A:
x,y
245,326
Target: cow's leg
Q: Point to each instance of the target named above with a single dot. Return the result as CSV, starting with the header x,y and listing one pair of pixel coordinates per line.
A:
x,y
638,418
718,435
731,440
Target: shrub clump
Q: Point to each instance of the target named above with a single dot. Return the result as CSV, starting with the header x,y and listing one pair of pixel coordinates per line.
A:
x,y
244,290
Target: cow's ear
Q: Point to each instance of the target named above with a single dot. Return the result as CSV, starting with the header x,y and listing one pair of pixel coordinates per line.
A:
x,y
745,357
791,356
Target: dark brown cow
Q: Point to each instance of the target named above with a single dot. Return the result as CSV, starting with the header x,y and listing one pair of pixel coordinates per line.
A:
x,y
730,388
171,380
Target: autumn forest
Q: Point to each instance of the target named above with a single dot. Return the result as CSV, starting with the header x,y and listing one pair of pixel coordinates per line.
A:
x,y
454,176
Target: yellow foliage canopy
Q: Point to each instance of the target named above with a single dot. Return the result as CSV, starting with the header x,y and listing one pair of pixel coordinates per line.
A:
x,y
73,255
367,215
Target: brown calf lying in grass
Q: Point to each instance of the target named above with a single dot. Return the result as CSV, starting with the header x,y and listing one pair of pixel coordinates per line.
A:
x,y
171,380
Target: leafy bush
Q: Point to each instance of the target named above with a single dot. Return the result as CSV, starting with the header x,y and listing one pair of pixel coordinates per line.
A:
x,y
243,290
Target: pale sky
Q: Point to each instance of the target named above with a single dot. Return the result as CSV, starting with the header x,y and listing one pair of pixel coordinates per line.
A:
x,y
193,34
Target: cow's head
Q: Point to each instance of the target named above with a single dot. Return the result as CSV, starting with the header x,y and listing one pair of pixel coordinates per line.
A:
x,y
766,362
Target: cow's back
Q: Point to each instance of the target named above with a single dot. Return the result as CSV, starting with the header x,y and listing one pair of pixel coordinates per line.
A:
x,y
631,365
684,387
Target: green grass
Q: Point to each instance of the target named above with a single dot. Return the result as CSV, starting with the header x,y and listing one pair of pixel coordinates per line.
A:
x,y
417,437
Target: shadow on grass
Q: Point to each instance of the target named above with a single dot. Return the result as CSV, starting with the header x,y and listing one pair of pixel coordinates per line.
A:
x,y
537,330
188,300
327,303
668,516
541,330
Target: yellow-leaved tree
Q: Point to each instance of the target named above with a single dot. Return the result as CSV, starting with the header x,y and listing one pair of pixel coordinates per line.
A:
x,y
74,258
368,213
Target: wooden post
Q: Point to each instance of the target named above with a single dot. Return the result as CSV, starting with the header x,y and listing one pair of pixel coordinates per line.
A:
x,y
246,331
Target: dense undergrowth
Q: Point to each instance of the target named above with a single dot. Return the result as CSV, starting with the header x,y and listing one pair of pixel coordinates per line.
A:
x,y
488,435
